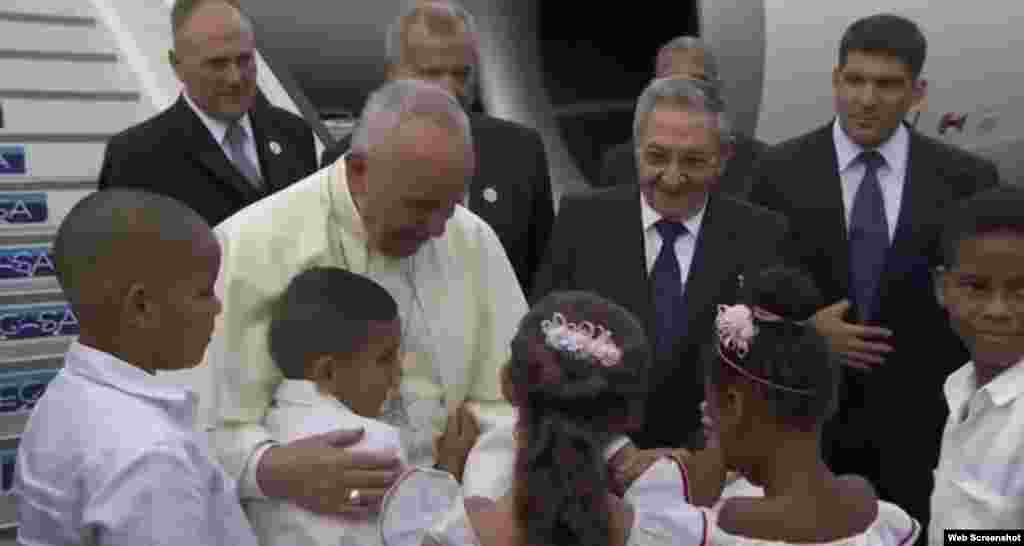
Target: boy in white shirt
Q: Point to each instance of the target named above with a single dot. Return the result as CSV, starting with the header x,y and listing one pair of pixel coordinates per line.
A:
x,y
336,337
110,455
979,483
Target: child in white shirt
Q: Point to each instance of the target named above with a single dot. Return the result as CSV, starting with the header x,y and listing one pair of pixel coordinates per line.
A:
x,y
337,338
110,455
979,483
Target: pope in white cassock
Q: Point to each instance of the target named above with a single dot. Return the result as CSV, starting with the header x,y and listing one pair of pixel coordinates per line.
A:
x,y
391,210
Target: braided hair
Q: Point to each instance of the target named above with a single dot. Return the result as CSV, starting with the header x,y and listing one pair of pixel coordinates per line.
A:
x,y
786,359
570,403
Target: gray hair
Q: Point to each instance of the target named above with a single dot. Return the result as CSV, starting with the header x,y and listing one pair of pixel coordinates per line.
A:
x,y
399,101
687,43
430,12
688,94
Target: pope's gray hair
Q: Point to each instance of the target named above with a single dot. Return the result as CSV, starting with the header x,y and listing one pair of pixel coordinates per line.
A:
x,y
400,101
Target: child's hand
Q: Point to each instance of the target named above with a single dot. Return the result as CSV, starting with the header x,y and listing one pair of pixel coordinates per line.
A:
x,y
452,448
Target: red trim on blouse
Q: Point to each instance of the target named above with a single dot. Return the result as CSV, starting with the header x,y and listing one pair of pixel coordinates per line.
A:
x,y
707,531
913,531
686,478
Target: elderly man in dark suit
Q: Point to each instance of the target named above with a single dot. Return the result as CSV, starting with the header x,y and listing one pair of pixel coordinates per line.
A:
x,y
668,248
511,189
685,56
221,146
865,196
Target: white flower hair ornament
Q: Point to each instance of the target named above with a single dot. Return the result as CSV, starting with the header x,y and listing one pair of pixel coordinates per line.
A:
x,y
583,341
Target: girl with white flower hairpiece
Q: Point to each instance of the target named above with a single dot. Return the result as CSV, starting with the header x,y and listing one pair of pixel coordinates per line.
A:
x,y
770,384
577,377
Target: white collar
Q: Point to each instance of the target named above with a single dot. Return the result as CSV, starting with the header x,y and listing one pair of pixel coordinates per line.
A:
x,y
218,128
302,392
1002,389
649,216
343,204
103,367
894,150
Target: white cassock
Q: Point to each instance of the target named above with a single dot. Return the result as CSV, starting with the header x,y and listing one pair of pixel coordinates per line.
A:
x,y
458,296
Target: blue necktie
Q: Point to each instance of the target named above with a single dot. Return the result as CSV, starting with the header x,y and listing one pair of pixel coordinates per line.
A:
x,y
667,289
869,238
236,137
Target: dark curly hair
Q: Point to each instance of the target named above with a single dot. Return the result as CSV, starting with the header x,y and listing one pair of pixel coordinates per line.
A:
x,y
568,408
788,353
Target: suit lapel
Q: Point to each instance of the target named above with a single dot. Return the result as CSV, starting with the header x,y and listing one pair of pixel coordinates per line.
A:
x,y
921,193
476,184
201,146
918,193
269,148
826,187
709,267
624,268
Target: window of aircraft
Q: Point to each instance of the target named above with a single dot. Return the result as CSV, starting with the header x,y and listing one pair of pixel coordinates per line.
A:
x,y
596,63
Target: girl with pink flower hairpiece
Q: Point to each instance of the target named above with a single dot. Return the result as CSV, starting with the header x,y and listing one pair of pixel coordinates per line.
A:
x,y
771,382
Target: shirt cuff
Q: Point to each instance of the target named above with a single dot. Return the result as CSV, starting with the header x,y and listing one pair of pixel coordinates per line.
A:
x,y
250,487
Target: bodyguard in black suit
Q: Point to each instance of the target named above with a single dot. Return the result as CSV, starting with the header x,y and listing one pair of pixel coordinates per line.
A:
x,y
221,146
685,56
613,242
511,189
866,198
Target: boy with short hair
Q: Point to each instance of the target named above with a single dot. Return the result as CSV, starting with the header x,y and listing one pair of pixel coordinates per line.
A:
x,y
336,337
979,482
110,454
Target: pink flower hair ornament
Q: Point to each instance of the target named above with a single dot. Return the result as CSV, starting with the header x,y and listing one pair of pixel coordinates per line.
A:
x,y
736,330
583,341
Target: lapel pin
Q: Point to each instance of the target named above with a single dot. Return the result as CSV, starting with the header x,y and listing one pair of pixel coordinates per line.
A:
x,y
275,148
490,195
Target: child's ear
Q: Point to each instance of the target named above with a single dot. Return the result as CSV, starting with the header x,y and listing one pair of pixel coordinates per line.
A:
x,y
137,308
321,370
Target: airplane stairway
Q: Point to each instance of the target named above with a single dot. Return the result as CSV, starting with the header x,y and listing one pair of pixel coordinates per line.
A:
x,y
72,73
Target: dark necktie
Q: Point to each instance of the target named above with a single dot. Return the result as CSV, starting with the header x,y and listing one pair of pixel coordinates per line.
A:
x,y
869,238
235,138
667,289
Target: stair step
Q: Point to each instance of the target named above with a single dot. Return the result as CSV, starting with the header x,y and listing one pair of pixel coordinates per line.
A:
x,y
31,116
67,94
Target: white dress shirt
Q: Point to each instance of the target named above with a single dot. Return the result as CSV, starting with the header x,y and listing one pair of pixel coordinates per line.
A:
x,y
219,131
110,456
685,245
299,411
458,293
979,483
891,177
